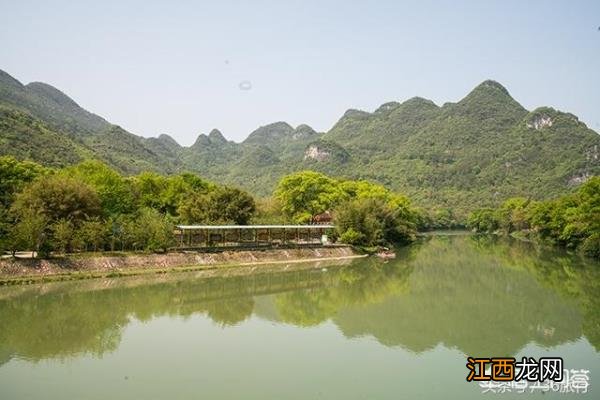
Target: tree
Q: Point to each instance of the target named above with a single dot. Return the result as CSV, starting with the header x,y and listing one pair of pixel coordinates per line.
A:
x,y
58,197
30,233
62,235
223,205
591,245
167,194
512,215
159,229
268,211
306,194
350,236
373,222
114,192
148,187
483,220
571,221
93,233
155,231
231,205
5,228
179,188
14,175
364,189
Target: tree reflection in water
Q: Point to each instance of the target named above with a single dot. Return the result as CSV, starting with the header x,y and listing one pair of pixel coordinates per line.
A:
x,y
476,294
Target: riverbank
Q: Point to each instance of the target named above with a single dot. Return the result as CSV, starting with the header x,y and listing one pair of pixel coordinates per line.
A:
x,y
24,271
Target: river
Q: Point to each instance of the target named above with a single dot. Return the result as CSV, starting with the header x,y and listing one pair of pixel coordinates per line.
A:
x,y
360,329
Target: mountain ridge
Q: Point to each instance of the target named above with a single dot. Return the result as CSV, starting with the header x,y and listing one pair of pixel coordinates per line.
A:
x,y
484,147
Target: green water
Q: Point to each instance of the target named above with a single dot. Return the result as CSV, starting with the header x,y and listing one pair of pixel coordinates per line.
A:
x,y
364,329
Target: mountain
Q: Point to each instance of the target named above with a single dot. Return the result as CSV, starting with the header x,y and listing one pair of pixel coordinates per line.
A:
x,y
275,135
81,132
49,105
26,137
165,147
475,152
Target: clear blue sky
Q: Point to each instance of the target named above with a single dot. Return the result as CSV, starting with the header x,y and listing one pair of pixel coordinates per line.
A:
x,y
175,67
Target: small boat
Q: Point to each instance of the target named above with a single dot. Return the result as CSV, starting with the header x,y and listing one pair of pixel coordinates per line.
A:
x,y
386,254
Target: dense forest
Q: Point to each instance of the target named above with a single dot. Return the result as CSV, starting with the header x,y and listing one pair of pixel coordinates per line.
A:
x,y
572,221
91,207
451,159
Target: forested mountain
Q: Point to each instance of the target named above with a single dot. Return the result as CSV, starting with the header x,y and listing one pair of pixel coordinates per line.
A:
x,y
67,131
476,152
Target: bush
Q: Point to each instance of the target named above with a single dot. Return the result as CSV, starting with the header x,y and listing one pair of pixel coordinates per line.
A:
x,y
58,197
350,236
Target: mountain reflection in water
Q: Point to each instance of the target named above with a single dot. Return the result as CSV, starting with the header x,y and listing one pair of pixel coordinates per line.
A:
x,y
479,295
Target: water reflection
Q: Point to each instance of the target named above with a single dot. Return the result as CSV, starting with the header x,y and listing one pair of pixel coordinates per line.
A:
x,y
475,294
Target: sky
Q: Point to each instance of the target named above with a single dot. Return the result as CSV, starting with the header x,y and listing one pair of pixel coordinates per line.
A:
x,y
186,67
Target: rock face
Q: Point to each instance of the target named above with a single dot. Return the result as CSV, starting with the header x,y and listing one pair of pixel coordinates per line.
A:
x,y
578,179
540,122
326,150
314,152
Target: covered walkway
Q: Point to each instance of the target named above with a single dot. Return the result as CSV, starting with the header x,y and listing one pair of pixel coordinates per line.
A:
x,y
211,236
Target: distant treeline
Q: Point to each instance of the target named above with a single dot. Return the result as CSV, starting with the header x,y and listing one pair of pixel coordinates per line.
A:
x,y
572,221
91,207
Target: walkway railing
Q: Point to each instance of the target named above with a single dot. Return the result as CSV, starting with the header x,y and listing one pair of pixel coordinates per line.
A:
x,y
208,236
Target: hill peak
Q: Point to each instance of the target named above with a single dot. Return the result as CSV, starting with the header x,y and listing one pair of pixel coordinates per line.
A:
x,y
415,101
303,131
50,92
487,100
385,107
279,125
167,139
7,79
269,133
491,86
216,136
354,113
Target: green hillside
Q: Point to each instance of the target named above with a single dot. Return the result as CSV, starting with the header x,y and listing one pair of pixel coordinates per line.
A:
x,y
476,152
50,105
26,137
74,128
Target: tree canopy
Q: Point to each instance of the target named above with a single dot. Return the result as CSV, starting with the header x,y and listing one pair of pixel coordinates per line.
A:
x,y
365,213
572,221
90,206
